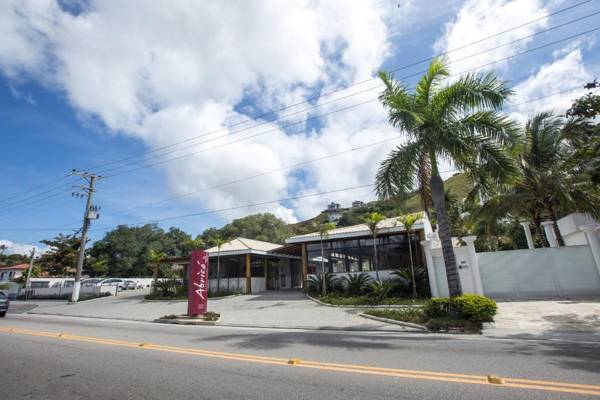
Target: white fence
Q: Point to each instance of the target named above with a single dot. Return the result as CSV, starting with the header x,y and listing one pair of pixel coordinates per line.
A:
x,y
85,291
539,273
559,272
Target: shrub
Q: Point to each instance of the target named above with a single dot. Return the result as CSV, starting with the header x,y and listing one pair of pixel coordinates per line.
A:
x,y
356,284
379,290
408,314
437,307
474,307
211,316
315,283
446,324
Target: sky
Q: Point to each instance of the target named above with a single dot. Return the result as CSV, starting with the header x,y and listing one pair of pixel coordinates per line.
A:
x,y
196,113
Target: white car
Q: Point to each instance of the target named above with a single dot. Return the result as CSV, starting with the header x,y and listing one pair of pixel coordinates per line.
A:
x,y
120,283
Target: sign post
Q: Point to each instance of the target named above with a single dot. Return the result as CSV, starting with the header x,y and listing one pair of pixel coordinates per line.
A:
x,y
198,284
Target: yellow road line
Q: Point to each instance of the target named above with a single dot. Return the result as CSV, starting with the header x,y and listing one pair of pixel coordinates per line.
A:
x,y
551,386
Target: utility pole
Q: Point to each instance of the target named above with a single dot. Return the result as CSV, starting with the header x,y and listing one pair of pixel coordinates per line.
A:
x,y
27,283
89,214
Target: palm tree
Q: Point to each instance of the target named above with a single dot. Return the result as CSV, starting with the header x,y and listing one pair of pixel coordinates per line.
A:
x,y
552,179
459,122
356,283
408,221
219,241
324,229
372,221
156,257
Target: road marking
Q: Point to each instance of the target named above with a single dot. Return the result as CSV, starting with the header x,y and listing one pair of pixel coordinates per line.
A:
x,y
551,386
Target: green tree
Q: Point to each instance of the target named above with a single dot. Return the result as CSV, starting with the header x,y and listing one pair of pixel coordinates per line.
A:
x,y
372,221
551,182
263,226
156,258
61,256
459,121
409,220
324,229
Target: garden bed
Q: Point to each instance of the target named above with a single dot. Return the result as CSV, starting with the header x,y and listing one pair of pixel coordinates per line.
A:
x,y
367,302
210,318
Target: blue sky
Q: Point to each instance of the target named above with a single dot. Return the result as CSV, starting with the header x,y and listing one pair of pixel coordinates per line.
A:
x,y
111,81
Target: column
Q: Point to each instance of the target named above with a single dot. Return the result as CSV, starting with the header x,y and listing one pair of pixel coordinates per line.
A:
x,y
474,262
430,268
549,232
248,275
304,265
527,230
592,239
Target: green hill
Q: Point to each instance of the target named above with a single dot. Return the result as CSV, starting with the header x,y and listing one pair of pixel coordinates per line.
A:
x,y
458,185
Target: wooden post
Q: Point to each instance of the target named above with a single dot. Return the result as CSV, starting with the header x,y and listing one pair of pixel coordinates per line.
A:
x,y
266,273
248,275
304,265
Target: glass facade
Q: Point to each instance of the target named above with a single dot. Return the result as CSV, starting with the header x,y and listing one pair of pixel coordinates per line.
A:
x,y
356,255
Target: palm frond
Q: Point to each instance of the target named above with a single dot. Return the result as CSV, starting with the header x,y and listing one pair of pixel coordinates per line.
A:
x,y
396,174
427,85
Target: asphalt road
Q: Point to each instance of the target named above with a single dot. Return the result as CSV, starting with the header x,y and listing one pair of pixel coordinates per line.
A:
x,y
103,359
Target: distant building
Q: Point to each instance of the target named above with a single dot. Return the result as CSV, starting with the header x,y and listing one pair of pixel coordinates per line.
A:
x,y
13,272
358,204
334,216
333,206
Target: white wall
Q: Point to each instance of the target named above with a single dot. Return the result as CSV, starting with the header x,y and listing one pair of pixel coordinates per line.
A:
x,y
540,273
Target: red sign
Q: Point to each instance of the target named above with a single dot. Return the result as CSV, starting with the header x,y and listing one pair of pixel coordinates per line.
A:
x,y
198,284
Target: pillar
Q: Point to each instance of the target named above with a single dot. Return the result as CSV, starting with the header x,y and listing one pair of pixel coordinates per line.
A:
x,y
248,275
549,232
430,268
304,265
474,262
527,230
592,239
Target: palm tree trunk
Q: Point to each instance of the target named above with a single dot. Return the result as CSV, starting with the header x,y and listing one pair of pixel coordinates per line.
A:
x,y
439,202
559,237
537,229
218,273
375,258
412,268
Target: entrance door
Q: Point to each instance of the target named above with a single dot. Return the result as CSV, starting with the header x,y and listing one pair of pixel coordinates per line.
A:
x,y
272,275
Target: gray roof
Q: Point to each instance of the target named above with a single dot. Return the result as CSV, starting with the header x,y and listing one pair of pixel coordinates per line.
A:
x,y
388,225
243,246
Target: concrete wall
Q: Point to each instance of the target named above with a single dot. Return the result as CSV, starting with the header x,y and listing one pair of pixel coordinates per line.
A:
x,y
561,272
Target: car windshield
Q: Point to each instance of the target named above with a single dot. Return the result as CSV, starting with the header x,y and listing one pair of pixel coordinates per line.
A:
x,y
2,295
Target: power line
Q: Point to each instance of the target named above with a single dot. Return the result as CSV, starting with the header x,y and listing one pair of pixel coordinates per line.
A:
x,y
343,109
356,105
349,86
320,96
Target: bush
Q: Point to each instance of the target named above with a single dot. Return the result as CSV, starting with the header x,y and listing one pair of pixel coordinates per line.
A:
x,y
446,324
413,315
315,283
355,284
379,290
211,316
474,307
437,307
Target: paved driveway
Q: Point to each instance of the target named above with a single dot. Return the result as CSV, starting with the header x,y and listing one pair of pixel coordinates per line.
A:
x,y
281,309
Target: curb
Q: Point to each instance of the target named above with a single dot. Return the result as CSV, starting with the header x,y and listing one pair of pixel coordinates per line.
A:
x,y
384,306
185,300
395,322
182,321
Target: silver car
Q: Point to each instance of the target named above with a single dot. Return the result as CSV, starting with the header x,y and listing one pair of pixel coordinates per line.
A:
x,y
4,303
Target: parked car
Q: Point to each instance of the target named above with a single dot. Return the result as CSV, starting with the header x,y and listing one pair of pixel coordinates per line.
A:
x,y
120,283
90,281
129,284
4,303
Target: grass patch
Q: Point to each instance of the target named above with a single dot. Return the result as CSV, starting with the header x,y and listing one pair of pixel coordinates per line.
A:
x,y
342,300
413,315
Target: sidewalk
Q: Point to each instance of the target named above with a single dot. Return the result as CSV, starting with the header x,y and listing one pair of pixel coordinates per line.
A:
x,y
281,309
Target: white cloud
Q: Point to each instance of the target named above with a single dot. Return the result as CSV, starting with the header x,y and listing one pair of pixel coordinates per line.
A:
x,y
565,72
483,18
19,248
167,71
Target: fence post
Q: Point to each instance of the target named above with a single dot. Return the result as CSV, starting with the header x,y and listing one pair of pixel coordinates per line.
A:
x,y
525,225
592,239
430,268
474,262
549,232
